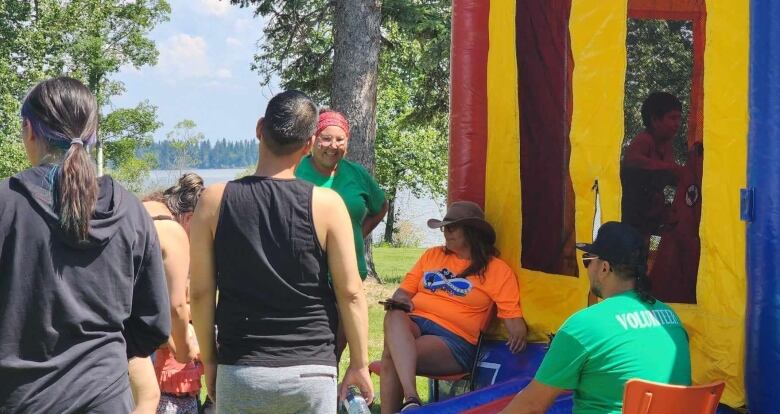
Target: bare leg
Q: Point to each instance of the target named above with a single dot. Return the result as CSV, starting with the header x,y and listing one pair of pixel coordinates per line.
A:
x,y
434,357
400,334
390,390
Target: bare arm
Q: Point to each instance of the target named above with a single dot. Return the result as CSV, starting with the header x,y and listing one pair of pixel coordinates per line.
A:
x,y
203,284
143,384
535,398
403,296
334,231
370,222
518,333
176,260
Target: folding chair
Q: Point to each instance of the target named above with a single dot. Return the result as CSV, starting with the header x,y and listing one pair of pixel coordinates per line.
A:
x,y
646,397
375,367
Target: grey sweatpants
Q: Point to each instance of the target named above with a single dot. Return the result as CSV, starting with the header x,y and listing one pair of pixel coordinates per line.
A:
x,y
300,389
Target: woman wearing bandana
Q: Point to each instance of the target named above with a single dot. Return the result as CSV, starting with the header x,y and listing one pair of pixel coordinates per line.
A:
x,y
326,167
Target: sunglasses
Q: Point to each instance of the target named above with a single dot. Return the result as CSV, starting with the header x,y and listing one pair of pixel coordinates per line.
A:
x,y
449,227
587,258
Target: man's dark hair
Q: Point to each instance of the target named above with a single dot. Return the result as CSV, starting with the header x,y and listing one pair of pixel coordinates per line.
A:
x,y
658,104
290,120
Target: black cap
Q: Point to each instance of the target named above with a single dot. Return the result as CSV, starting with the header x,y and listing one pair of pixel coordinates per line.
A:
x,y
617,243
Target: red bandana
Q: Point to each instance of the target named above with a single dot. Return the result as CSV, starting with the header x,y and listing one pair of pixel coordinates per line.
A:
x,y
332,118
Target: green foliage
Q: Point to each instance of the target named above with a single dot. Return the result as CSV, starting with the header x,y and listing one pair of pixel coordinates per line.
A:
x,y
406,235
660,58
408,154
12,157
125,131
86,39
184,141
297,46
413,88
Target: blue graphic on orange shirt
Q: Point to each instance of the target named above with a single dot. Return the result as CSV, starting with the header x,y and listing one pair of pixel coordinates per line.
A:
x,y
446,281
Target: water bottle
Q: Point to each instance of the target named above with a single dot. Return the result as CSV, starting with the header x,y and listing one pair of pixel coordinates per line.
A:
x,y
355,403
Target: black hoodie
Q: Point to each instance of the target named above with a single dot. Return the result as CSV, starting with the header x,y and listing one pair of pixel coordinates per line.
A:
x,y
72,313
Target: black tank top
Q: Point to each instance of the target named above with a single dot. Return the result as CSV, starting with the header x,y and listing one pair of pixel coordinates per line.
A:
x,y
275,306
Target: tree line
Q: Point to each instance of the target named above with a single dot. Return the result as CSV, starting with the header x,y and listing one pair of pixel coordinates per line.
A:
x,y
204,154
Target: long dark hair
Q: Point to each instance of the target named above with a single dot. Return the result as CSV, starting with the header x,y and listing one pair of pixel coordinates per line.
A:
x,y
638,273
481,252
64,112
182,197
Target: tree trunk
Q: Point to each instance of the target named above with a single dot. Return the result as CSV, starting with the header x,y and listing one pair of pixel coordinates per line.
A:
x,y
390,221
356,41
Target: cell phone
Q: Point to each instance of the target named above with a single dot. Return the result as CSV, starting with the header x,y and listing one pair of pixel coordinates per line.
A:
x,y
391,304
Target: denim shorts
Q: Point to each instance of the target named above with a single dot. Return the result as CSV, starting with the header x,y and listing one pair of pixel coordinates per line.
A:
x,y
462,350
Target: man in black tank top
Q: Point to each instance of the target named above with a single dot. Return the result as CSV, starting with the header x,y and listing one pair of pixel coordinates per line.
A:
x,y
267,242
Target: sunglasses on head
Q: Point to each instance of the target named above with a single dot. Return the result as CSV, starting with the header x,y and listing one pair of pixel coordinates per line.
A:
x,y
587,258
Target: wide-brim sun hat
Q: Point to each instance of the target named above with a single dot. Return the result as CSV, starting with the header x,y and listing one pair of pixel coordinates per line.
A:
x,y
466,213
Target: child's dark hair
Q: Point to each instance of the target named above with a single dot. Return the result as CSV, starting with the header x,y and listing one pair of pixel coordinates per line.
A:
x,y
658,104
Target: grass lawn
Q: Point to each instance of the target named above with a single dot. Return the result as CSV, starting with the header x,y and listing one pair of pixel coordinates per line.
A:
x,y
392,265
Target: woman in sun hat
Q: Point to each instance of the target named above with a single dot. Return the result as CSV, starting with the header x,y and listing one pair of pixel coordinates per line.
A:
x,y
435,316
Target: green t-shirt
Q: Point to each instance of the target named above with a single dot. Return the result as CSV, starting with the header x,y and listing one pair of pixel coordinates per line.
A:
x,y
360,193
601,347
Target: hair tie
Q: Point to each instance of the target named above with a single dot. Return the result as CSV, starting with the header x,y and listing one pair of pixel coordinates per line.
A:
x,y
76,141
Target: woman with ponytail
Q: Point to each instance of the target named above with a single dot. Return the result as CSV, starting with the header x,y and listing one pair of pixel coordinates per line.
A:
x,y
627,335
82,288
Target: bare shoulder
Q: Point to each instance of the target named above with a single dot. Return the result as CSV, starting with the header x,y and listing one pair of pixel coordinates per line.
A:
x,y
156,208
208,206
328,203
210,199
643,139
325,196
170,231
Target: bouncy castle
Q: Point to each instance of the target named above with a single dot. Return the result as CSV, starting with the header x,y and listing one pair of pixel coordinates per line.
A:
x,y
538,92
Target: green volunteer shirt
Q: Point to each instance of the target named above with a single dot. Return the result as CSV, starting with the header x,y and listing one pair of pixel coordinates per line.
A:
x,y
601,347
360,193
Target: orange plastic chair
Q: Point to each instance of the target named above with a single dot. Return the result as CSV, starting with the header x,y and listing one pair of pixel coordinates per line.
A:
x,y
646,397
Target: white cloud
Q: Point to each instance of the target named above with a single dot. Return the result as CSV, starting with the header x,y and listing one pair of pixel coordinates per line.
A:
x,y
233,42
243,25
183,56
212,7
223,73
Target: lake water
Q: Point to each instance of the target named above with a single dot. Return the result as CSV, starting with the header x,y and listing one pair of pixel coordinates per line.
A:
x,y
412,217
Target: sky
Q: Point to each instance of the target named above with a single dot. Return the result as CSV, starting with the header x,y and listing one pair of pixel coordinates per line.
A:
x,y
203,71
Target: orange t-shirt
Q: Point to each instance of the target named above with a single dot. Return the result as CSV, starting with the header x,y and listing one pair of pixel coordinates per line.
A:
x,y
460,304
